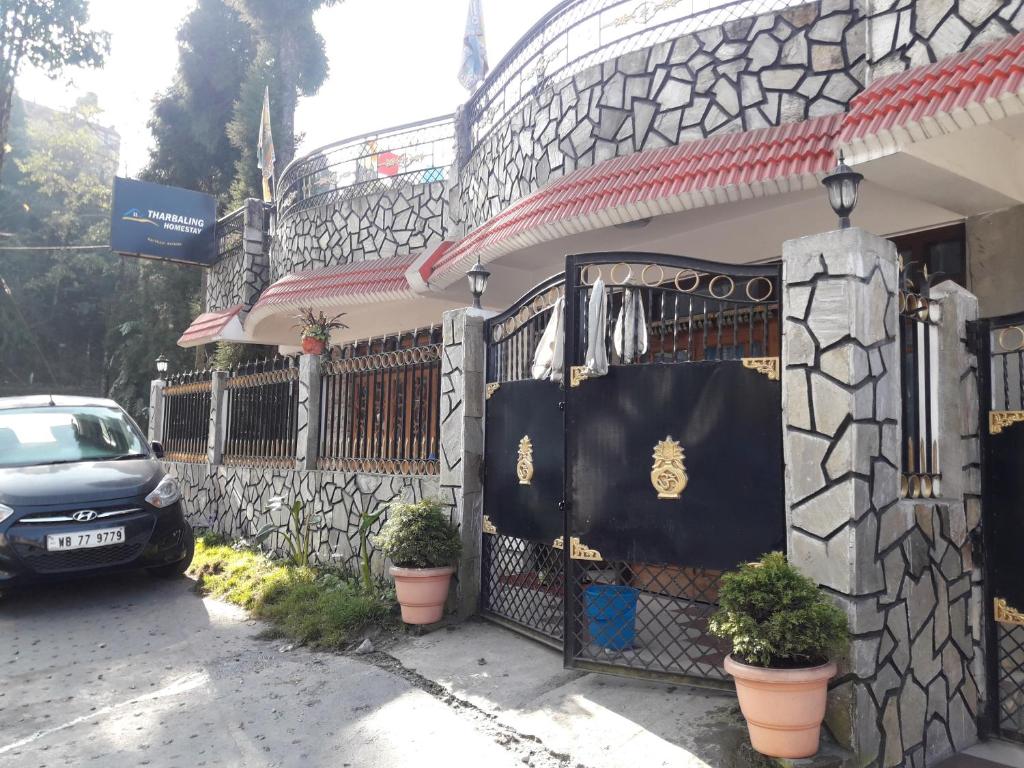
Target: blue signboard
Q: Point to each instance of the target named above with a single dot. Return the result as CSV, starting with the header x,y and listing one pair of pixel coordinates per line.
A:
x,y
163,222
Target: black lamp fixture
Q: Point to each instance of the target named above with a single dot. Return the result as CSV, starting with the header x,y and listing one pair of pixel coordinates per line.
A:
x,y
842,186
477,277
161,364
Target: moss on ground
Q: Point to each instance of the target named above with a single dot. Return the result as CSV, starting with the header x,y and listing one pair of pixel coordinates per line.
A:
x,y
323,609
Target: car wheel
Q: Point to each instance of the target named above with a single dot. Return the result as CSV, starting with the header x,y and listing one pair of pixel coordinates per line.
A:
x,y
174,570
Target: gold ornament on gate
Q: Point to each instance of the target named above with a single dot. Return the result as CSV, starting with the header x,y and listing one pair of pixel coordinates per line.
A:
x,y
524,466
668,474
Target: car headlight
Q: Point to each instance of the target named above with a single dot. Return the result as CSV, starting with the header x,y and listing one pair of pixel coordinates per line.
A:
x,y
166,492
5,512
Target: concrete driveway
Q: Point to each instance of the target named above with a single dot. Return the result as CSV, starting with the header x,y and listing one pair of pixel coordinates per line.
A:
x,y
132,671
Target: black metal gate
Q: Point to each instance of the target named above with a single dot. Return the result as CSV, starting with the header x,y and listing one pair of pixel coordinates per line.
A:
x,y
614,502
1001,384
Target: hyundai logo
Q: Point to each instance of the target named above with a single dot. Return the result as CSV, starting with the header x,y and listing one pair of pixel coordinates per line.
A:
x,y
84,515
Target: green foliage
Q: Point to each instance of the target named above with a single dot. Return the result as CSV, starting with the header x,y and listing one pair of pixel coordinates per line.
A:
x,y
322,609
777,617
366,522
296,532
228,355
419,535
314,326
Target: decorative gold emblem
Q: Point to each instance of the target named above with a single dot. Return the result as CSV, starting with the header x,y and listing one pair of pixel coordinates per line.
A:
x,y
577,549
668,474
577,374
1000,420
491,389
769,366
488,526
524,466
1007,615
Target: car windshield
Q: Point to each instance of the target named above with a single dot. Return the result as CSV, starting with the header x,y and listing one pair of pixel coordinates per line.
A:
x,y
67,434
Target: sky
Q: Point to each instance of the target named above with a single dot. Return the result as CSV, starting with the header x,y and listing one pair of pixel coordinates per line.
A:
x,y
392,62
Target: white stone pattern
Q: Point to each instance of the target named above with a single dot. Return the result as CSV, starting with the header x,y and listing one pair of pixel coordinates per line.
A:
x,y
233,501
242,274
226,282
907,693
395,222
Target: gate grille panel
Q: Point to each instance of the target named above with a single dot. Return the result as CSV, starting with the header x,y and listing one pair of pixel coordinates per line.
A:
x,y
523,582
1011,680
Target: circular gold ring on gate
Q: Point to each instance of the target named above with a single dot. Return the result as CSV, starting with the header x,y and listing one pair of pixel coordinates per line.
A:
x,y
1002,339
629,274
915,487
715,279
936,486
659,281
585,274
926,486
903,302
904,487
771,289
690,289
510,326
913,303
496,333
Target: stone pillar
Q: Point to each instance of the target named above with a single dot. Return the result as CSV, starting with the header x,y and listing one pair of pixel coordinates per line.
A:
x,y
218,405
462,444
155,425
900,568
255,256
308,442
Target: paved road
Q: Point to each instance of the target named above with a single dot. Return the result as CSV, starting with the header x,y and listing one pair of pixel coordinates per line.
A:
x,y
132,671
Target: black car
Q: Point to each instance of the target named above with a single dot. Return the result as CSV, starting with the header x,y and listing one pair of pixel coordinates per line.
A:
x,y
82,492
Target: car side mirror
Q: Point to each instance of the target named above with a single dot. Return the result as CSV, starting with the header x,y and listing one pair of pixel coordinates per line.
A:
x,y
158,449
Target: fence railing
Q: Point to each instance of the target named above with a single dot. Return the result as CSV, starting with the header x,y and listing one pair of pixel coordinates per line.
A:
x,y
230,232
416,153
186,416
379,405
261,412
577,34
919,366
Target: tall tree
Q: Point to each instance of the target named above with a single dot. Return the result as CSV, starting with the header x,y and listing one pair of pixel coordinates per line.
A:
x,y
291,60
49,34
189,121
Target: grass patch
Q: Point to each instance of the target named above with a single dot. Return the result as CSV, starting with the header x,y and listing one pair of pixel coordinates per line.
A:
x,y
323,609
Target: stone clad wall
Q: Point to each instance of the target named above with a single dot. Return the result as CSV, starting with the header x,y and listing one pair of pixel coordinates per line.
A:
x,y
395,222
233,501
242,274
908,690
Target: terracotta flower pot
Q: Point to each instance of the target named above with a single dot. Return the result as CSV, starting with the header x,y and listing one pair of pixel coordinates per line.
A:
x,y
422,592
312,346
783,707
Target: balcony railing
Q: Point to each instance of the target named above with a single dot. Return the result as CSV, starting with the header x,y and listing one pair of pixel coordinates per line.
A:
x,y
416,153
577,34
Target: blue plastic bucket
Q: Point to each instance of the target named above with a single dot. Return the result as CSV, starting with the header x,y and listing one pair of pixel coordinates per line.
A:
x,y
611,615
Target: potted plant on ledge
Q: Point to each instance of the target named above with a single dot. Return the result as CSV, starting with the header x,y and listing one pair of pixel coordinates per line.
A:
x,y
315,330
783,631
422,545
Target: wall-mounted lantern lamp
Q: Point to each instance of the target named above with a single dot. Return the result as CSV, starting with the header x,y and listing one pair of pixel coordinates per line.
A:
x,y
842,185
161,364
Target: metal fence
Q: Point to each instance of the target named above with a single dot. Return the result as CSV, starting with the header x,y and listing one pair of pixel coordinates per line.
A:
x,y
379,403
578,34
230,231
919,365
416,153
261,412
186,416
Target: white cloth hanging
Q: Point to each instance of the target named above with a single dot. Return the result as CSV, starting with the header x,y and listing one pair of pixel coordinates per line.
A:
x,y
596,360
629,338
547,360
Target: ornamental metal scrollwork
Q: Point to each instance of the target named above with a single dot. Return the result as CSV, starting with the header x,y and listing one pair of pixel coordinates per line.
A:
x,y
577,375
524,464
769,366
1000,420
488,526
491,389
558,543
668,473
577,549
1005,614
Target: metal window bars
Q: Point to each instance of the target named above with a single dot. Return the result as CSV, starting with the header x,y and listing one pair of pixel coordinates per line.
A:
x,y
919,365
186,416
261,425
406,155
379,405
578,34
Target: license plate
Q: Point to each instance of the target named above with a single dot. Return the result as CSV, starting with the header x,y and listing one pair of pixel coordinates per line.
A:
x,y
98,537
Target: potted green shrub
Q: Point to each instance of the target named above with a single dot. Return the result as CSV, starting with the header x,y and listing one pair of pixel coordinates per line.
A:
x,y
315,330
783,631
422,545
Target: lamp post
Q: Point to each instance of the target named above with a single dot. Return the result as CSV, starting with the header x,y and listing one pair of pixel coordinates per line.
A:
x,y
477,277
161,365
842,185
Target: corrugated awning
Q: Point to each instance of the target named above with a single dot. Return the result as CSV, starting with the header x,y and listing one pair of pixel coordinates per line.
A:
x,y
221,325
